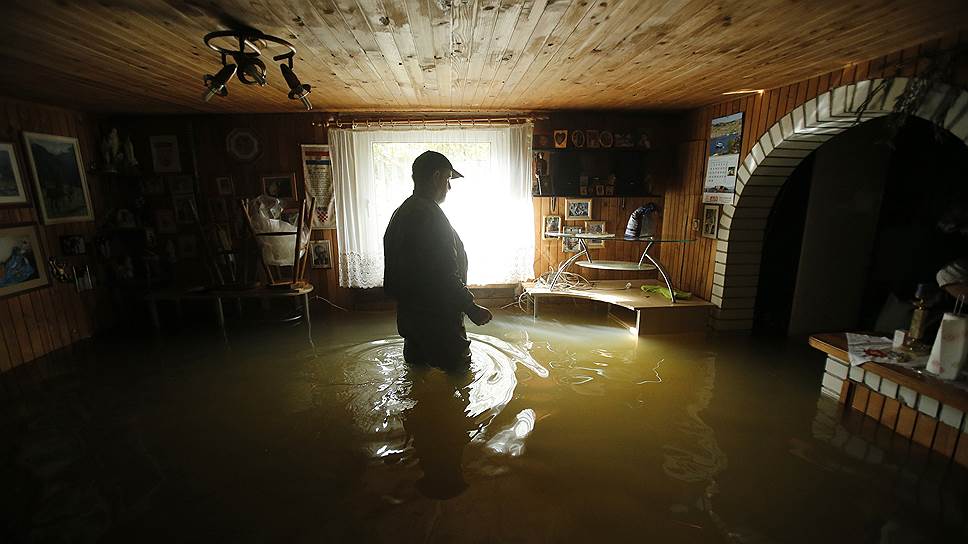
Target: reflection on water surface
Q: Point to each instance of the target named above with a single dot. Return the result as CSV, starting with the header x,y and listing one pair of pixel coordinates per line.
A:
x,y
559,432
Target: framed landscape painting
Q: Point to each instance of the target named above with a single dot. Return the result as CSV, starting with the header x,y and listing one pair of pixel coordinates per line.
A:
x,y
22,264
62,192
13,192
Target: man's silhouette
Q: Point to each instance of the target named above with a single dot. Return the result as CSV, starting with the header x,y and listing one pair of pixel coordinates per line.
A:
x,y
426,271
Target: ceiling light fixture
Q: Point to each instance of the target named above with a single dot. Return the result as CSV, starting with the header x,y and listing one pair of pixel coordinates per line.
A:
x,y
245,50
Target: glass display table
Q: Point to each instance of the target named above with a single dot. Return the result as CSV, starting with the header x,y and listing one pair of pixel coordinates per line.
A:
x,y
641,265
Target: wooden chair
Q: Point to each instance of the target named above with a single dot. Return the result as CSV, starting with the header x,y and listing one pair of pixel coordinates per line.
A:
x,y
276,273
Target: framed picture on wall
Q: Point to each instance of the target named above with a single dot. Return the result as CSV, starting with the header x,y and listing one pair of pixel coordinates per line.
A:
x,y
62,192
595,227
13,192
578,209
22,263
185,209
72,244
571,245
225,186
280,186
321,252
165,155
552,223
710,221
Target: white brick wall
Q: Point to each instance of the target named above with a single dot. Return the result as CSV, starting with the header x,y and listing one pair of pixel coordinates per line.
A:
x,y
777,154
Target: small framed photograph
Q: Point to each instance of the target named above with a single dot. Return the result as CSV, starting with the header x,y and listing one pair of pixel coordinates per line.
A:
x,y
165,221
13,192
552,223
710,221
571,245
595,227
23,264
225,186
72,244
578,209
152,186
592,140
165,158
542,141
185,209
280,186
599,190
187,246
561,139
321,252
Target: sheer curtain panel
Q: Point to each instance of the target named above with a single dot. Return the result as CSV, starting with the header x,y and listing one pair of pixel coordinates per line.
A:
x,y
490,207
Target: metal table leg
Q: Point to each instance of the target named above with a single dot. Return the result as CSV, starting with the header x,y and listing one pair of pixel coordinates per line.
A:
x,y
309,323
565,265
220,313
645,255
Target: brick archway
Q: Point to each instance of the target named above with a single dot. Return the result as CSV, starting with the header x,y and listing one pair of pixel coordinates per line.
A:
x,y
774,157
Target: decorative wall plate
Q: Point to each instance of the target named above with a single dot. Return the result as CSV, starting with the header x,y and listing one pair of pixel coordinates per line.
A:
x,y
605,138
243,144
578,138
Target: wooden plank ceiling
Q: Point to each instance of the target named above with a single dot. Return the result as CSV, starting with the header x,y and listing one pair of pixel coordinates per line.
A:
x,y
450,55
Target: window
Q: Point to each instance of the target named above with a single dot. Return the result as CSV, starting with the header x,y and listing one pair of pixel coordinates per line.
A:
x,y
490,207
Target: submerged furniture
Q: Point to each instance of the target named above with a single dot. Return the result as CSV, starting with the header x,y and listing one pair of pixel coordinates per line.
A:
x,y
177,295
613,265
924,409
642,313
280,243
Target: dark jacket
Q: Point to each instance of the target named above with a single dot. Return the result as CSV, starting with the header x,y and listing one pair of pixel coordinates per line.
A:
x,y
425,266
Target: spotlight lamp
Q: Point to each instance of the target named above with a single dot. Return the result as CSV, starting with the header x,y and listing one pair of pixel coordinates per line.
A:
x,y
241,52
297,90
216,85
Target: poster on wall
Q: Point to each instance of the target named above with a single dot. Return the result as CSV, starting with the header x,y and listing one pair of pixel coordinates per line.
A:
x,y
725,141
318,173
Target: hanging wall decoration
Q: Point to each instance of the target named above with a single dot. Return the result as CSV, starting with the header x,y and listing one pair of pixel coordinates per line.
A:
x,y
318,173
243,145
165,155
13,192
22,264
62,192
725,141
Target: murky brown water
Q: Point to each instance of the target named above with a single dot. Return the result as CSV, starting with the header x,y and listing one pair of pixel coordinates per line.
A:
x,y
561,433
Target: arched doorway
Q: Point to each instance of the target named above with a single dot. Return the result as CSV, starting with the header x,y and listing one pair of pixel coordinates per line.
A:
x,y
775,156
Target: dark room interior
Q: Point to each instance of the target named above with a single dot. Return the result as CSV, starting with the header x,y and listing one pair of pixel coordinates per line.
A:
x,y
484,271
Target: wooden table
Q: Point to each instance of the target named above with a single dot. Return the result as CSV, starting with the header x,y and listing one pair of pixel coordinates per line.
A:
x,y
177,295
924,409
653,314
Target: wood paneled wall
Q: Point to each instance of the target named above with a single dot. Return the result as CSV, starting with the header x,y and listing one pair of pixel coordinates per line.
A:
x,y
35,323
204,140
692,269
664,132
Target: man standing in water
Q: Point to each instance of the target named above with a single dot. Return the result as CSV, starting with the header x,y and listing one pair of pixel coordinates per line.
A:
x,y
426,271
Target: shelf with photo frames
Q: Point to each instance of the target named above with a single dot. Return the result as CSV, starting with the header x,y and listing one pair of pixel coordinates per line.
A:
x,y
612,172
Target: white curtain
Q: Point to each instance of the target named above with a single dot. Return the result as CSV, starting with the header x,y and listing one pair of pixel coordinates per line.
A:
x,y
490,207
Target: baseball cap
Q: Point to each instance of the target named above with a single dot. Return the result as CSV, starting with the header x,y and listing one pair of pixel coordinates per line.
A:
x,y
430,161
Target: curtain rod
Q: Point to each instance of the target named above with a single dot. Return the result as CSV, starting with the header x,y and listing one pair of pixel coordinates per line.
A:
x,y
466,121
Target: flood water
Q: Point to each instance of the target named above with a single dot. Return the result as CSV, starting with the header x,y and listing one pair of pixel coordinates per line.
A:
x,y
564,430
